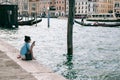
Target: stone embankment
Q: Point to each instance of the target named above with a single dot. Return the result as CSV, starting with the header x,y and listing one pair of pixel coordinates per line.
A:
x,y
12,68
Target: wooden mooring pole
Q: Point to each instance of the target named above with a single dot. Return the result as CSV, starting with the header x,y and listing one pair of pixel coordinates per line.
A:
x,y
70,27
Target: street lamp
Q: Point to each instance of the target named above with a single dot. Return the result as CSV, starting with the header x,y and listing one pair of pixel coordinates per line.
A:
x,y
48,17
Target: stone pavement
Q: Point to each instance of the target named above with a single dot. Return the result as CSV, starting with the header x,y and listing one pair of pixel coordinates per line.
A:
x,y
9,70
12,68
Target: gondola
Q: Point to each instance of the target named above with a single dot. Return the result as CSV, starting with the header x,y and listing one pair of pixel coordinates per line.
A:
x,y
36,21
28,22
19,19
98,24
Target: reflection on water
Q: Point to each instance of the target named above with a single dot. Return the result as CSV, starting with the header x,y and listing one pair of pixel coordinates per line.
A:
x,y
70,73
8,34
96,49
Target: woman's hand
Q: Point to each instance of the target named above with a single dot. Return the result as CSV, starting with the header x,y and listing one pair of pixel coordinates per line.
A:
x,y
33,44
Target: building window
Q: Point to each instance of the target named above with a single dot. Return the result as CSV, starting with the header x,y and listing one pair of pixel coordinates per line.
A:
x,y
82,3
33,6
62,8
25,6
60,2
59,7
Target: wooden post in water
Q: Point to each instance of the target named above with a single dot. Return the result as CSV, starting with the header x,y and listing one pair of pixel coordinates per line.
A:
x,y
70,27
48,17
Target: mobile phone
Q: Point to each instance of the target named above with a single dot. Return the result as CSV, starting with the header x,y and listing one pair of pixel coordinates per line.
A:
x,y
33,42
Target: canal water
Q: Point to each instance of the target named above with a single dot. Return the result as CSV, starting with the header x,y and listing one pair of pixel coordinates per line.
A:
x,y
96,50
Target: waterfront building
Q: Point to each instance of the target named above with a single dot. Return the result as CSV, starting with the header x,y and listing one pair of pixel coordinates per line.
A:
x,y
57,5
107,10
67,7
25,7
92,7
29,7
33,7
7,1
81,8
116,9
116,5
96,7
60,6
104,6
45,6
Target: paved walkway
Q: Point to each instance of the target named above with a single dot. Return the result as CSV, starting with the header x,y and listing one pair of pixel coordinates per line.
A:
x,y
9,70
12,68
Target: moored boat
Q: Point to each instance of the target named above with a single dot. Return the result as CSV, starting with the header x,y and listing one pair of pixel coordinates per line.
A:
x,y
104,17
98,24
36,21
28,22
20,18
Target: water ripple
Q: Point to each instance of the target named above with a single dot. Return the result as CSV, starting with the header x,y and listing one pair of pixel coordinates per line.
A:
x,y
96,49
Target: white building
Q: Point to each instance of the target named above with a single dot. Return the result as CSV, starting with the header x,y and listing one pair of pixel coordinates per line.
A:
x,y
116,5
92,6
67,7
116,9
81,7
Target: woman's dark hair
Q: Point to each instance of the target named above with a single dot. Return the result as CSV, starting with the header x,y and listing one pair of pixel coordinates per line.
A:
x,y
27,38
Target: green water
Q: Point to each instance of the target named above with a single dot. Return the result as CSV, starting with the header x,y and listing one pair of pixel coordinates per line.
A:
x,y
96,50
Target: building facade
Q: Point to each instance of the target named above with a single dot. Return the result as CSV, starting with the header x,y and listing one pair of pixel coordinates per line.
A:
x,y
45,6
61,7
81,7
67,7
92,7
58,5
105,6
33,7
116,9
26,7
116,5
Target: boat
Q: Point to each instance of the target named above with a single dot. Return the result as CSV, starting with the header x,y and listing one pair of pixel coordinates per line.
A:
x,y
36,21
28,22
98,24
104,17
20,18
